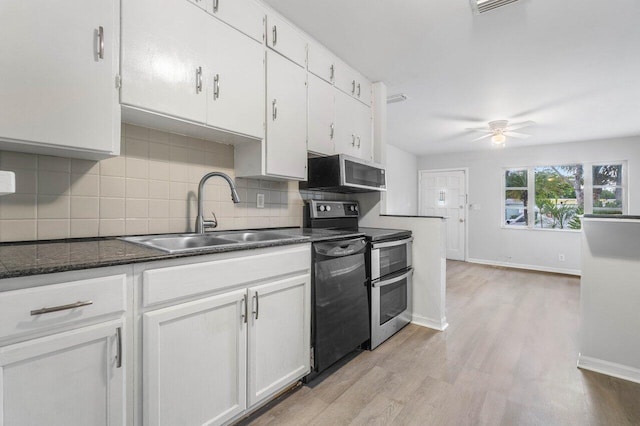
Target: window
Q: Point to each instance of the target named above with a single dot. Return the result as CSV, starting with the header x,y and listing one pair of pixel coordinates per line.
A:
x,y
516,197
561,194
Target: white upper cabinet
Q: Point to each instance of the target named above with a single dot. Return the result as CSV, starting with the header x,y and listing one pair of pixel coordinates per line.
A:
x,y
286,147
286,40
244,15
58,70
183,63
322,63
163,58
321,128
352,82
353,131
235,82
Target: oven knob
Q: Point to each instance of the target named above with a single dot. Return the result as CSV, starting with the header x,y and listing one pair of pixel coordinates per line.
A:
x,y
352,208
355,208
321,208
328,208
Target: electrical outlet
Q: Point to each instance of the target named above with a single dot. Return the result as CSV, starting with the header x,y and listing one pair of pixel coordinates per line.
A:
x,y
260,201
561,257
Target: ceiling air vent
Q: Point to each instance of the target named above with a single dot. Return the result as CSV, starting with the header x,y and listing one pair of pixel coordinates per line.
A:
x,y
482,6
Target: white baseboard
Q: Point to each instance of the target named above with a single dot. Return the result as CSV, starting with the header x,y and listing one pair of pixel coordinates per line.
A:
x,y
430,323
609,368
528,267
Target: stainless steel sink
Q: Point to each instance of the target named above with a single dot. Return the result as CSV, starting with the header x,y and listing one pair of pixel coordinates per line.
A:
x,y
253,236
177,243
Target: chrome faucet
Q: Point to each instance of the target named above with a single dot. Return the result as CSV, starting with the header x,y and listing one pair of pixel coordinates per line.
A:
x,y
202,224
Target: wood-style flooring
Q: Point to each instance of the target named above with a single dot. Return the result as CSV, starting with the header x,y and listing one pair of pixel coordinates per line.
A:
x,y
507,358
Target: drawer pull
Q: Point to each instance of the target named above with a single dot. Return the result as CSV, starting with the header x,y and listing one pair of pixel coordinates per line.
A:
x,y
61,307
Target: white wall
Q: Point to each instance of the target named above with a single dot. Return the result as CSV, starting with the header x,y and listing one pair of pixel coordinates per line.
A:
x,y
536,249
402,182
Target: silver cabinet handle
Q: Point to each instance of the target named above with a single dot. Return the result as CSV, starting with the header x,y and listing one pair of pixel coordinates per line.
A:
x,y
215,6
353,87
333,129
358,141
61,307
244,315
358,89
274,109
198,79
257,304
216,86
333,72
275,35
119,350
101,42
353,140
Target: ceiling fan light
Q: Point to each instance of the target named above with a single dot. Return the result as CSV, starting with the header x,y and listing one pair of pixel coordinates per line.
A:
x,y
498,139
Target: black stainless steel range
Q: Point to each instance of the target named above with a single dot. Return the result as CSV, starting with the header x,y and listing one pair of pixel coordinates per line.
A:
x,y
389,269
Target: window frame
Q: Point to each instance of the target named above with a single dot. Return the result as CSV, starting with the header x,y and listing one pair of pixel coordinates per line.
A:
x,y
588,191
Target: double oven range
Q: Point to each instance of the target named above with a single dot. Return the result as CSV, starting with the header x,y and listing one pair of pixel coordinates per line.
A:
x,y
341,282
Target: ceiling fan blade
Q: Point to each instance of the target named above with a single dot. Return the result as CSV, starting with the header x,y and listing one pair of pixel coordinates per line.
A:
x,y
516,135
479,129
482,137
516,126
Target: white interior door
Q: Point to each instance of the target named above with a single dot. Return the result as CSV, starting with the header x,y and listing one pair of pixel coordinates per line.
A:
x,y
444,193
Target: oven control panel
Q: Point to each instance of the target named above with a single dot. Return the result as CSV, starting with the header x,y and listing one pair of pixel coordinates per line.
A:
x,y
333,209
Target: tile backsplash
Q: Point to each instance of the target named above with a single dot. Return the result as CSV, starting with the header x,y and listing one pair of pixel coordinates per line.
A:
x,y
150,188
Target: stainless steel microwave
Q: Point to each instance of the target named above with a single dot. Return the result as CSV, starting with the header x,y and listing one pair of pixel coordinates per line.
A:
x,y
344,174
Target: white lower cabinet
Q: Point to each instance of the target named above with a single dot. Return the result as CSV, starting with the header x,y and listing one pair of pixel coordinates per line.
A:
x,y
63,349
69,378
278,336
211,360
194,366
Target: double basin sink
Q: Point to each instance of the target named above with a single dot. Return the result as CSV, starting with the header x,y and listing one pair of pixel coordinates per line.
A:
x,y
178,243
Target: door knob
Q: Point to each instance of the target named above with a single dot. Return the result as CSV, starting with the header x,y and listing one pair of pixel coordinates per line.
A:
x,y
461,220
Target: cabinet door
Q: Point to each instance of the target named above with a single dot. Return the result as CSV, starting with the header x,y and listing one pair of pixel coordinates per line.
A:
x,y
321,63
346,78
279,336
285,39
194,361
244,15
235,78
286,118
71,378
321,129
363,90
163,59
345,131
364,131
55,89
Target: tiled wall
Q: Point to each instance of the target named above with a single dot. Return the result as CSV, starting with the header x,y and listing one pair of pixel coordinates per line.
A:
x,y
150,188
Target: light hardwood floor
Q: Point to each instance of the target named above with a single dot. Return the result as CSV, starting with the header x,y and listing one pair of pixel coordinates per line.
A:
x,y
507,358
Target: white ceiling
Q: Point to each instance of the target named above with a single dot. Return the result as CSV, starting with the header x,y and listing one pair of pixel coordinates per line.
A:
x,y
573,66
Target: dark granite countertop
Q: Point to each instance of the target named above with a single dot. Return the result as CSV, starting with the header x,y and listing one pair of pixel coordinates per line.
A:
x,y
27,258
612,216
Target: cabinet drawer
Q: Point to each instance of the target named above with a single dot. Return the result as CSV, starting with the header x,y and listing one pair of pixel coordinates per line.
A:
x,y
39,309
179,282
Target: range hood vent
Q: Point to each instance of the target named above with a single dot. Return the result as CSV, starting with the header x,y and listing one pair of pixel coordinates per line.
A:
x,y
483,6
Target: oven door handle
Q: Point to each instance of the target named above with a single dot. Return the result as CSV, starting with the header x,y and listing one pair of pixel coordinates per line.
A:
x,y
376,246
392,280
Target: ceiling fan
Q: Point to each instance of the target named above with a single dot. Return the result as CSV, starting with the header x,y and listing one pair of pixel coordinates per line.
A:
x,y
499,130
